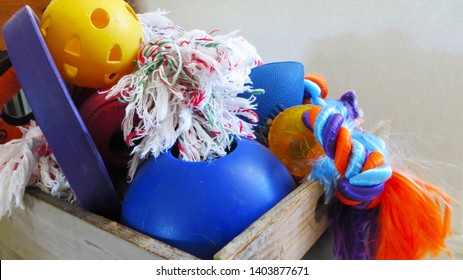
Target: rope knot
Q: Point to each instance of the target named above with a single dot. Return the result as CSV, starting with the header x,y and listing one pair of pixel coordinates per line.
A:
x,y
358,157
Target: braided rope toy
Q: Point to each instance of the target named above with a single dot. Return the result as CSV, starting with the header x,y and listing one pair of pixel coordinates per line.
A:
x,y
380,212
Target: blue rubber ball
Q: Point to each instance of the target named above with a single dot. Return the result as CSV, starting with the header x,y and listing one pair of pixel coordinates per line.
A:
x,y
199,207
283,83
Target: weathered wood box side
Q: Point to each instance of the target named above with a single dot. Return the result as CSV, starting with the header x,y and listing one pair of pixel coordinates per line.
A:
x,y
49,228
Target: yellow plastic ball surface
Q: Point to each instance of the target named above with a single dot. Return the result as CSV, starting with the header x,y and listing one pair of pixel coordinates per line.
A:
x,y
93,42
293,143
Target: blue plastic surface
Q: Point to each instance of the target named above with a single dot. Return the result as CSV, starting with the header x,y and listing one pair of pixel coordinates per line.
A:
x,y
199,207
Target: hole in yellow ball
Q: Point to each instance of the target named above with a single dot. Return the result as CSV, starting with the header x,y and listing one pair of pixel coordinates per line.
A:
x,y
73,46
111,78
131,11
100,18
70,71
115,54
44,26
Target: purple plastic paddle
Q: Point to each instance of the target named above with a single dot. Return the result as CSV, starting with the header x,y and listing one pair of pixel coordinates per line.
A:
x,y
57,115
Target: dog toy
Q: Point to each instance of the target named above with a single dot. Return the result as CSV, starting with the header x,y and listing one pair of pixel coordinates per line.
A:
x,y
93,42
201,206
185,91
381,212
282,87
103,117
293,143
28,161
57,116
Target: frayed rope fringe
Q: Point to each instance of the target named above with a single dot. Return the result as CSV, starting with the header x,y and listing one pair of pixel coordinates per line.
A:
x,y
185,92
29,162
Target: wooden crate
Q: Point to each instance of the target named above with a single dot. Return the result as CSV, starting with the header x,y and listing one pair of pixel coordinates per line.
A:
x,y
49,228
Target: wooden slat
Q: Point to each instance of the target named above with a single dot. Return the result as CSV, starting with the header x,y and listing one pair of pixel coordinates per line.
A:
x,y
49,228
287,231
52,229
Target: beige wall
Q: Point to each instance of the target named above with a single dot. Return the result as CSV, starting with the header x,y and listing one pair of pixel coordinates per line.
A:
x,y
404,59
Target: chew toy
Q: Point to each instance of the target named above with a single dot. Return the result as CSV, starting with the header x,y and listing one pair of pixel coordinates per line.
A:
x,y
103,117
57,116
186,92
93,42
282,87
381,212
28,161
186,98
201,206
293,143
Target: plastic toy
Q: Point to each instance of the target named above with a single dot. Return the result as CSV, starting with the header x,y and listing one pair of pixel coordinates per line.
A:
x,y
59,120
201,206
293,143
381,212
93,42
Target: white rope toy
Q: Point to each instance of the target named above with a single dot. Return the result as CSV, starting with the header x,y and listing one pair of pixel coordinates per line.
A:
x,y
29,162
185,91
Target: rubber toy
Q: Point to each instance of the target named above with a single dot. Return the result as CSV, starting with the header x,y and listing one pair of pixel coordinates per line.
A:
x,y
9,87
293,143
103,118
199,207
93,42
283,85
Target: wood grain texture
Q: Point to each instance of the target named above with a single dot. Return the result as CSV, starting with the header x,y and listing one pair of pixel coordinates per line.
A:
x,y
52,229
287,231
49,228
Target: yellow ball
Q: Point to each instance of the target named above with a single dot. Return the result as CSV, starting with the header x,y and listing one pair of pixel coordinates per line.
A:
x,y
93,42
293,143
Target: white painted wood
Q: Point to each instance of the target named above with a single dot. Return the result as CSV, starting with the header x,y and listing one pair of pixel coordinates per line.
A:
x,y
51,229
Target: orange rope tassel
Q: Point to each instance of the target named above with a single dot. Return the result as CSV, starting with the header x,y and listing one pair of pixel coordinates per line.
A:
x,y
411,219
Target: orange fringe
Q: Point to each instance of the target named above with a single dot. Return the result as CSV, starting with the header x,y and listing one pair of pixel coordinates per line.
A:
x,y
414,219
